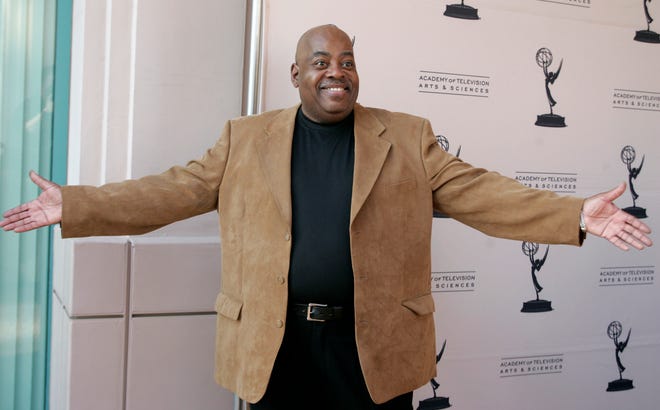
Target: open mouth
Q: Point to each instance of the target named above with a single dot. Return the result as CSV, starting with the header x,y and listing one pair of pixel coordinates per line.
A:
x,y
335,88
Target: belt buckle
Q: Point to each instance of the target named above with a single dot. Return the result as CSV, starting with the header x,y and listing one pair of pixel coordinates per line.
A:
x,y
309,311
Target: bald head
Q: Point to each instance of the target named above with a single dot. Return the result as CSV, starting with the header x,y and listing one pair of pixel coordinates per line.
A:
x,y
325,74
325,29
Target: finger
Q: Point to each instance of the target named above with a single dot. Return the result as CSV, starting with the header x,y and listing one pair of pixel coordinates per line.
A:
x,y
27,227
614,193
12,226
638,224
642,238
616,241
12,221
630,239
23,222
638,230
21,227
40,181
16,210
635,237
635,243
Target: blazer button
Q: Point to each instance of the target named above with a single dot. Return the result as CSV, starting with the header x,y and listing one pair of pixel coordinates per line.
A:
x,y
287,237
279,323
280,280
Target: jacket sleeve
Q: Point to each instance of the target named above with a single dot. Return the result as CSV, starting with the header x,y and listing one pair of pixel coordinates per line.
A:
x,y
497,205
142,205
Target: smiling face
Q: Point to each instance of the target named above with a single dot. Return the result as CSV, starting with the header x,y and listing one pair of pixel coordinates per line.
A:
x,y
325,74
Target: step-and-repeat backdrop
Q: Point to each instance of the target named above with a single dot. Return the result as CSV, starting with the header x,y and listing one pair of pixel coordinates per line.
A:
x,y
561,95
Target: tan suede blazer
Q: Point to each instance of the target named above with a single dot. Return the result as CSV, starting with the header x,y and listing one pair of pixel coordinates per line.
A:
x,y
401,174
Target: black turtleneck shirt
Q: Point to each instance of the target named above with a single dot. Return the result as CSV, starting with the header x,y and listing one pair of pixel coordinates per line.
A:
x,y
321,183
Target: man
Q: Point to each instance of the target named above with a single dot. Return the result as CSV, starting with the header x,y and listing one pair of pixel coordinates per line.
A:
x,y
325,216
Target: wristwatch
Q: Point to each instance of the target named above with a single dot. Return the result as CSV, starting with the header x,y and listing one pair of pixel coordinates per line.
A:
x,y
583,228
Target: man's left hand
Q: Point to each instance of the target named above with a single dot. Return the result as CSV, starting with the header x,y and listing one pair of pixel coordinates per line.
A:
x,y
603,218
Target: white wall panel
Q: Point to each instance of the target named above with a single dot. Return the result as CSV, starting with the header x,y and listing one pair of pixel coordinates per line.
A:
x,y
60,359
188,72
170,365
91,279
172,275
152,83
97,364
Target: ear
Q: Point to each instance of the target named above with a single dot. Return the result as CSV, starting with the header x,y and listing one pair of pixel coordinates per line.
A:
x,y
294,74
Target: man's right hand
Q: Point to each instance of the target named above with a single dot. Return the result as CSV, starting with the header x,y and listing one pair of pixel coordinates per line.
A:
x,y
43,211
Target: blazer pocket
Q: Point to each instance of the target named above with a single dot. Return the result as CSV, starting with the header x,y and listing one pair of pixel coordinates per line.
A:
x,y
421,305
228,307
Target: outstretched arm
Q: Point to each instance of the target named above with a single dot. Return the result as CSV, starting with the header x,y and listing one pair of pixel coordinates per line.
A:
x,y
43,211
606,220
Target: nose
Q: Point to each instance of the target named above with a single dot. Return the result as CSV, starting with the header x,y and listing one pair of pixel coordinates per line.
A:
x,y
335,70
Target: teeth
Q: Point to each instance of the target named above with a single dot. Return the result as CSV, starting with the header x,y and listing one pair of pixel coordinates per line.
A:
x,y
335,89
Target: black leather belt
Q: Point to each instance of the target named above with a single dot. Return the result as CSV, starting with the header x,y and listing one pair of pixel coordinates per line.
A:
x,y
317,312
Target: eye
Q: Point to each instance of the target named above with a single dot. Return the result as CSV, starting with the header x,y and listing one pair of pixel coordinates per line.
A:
x,y
320,64
348,64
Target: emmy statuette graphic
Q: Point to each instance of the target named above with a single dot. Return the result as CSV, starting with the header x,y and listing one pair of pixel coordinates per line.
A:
x,y
544,60
648,35
536,305
461,11
444,144
628,157
614,331
435,402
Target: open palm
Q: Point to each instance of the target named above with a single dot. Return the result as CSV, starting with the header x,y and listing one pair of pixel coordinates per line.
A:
x,y
606,220
43,211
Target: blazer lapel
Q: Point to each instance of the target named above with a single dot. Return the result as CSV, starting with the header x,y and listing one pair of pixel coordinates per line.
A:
x,y
370,154
274,150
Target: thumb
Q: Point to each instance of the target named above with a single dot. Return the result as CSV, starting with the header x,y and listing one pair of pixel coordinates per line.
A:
x,y
40,181
613,194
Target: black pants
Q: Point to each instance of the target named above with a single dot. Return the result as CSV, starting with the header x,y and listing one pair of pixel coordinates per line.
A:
x,y
317,368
